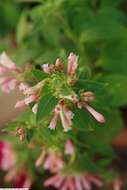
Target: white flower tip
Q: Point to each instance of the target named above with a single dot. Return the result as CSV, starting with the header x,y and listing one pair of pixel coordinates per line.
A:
x,y
102,119
51,128
35,108
98,116
67,129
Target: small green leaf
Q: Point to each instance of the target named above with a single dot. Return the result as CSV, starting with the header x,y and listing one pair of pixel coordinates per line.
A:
x,y
38,74
83,120
46,105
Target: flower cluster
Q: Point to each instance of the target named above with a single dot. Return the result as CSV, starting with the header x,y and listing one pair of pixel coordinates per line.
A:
x,y
54,162
54,72
62,110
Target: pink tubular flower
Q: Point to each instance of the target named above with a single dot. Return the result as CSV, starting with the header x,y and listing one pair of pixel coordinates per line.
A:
x,y
83,182
26,101
23,87
8,83
99,117
65,114
30,96
53,162
72,64
69,147
7,158
20,104
47,68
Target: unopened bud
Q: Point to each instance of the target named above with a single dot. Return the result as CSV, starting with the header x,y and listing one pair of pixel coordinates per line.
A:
x,y
87,96
59,64
20,132
71,81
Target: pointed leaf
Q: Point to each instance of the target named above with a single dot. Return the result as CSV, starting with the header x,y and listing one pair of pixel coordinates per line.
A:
x,y
46,105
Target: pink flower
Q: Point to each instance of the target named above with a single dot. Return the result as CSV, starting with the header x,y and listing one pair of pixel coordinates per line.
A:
x,y
31,95
53,162
26,101
54,120
23,87
99,117
6,62
73,182
47,68
30,99
69,147
54,181
8,83
34,89
65,115
72,64
59,64
7,157
20,104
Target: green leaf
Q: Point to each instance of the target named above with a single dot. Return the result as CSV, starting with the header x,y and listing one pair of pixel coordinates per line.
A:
x,y
103,149
114,57
83,120
103,26
117,88
23,28
46,105
38,74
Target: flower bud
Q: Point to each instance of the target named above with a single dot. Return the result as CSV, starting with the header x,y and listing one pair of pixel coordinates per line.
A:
x,y
87,96
21,133
59,64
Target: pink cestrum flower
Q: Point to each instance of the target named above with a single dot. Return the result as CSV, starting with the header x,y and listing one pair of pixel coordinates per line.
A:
x,y
82,182
23,87
65,114
53,162
7,157
72,64
26,101
47,68
8,84
98,116
69,147
31,95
